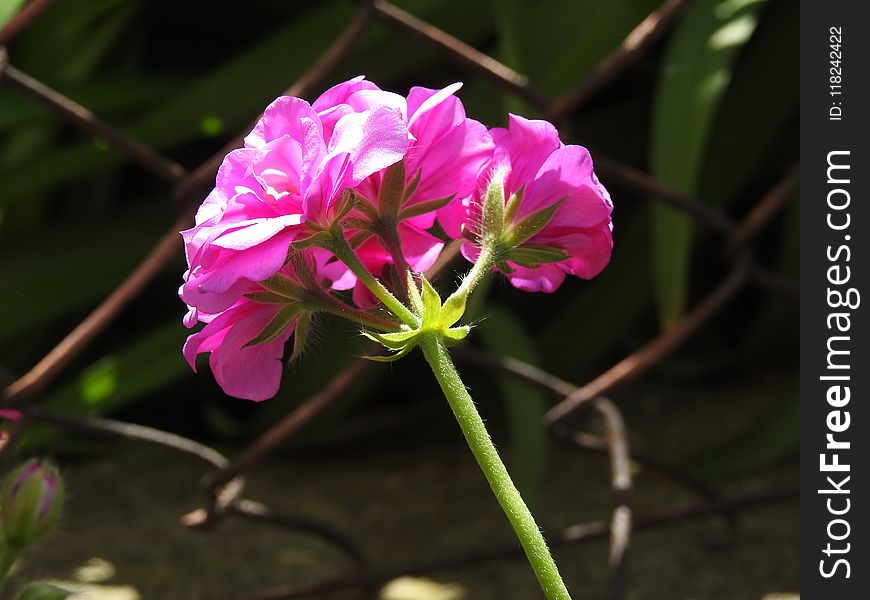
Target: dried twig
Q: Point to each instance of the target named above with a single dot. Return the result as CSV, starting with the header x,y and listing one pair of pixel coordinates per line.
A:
x,y
22,20
660,347
87,121
458,51
632,48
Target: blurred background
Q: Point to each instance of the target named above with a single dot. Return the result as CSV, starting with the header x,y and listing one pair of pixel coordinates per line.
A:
x,y
708,108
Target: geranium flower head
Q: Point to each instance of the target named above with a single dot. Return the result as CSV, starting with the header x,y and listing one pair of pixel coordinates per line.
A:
x,y
447,153
246,341
289,176
557,213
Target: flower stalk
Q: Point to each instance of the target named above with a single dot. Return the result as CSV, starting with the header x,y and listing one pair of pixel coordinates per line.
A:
x,y
496,473
338,245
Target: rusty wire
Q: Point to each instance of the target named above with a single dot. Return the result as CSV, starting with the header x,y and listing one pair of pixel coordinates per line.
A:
x,y
225,486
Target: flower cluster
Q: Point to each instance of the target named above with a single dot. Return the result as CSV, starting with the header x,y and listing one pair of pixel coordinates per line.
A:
x,y
330,205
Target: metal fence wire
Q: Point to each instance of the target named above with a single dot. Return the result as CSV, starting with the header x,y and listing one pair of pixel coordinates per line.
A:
x,y
224,485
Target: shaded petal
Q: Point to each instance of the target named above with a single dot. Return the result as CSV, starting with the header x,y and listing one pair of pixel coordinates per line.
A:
x,y
567,175
421,249
252,373
546,278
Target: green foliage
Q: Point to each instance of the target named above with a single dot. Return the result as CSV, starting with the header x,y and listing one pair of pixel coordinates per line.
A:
x,y
693,76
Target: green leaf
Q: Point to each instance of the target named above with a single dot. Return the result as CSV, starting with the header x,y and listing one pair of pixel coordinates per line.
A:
x,y
693,76
8,9
88,258
278,325
504,335
218,94
151,361
761,104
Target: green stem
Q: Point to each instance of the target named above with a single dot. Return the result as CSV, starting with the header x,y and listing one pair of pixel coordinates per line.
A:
x,y
389,236
489,255
7,559
329,303
487,457
339,246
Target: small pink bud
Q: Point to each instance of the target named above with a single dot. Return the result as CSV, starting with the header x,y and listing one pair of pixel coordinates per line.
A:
x,y
31,502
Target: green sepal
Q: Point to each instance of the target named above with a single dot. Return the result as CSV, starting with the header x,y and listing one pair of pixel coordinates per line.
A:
x,y
392,193
431,303
532,255
513,204
414,294
345,203
531,225
318,238
359,223
390,357
454,335
421,208
283,286
453,309
267,298
412,187
300,335
393,341
279,323
366,208
358,238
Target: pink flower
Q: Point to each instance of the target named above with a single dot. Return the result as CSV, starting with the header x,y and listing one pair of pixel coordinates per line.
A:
x,y
446,156
243,365
290,173
546,175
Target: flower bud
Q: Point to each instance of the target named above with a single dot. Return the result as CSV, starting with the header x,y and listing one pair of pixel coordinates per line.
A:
x,y
31,501
493,213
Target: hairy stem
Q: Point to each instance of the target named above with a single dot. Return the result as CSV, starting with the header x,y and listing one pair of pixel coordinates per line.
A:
x,y
7,559
484,451
339,246
329,303
489,255
389,236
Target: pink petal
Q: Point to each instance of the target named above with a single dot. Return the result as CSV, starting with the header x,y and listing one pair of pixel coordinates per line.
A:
x,y
252,373
524,146
421,249
285,116
546,278
567,175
